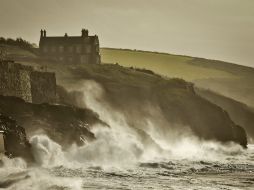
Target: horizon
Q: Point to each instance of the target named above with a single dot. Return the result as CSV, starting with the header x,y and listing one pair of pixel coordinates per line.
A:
x,y
218,30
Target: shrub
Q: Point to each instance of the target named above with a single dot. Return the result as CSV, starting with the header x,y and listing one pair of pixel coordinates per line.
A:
x,y
18,42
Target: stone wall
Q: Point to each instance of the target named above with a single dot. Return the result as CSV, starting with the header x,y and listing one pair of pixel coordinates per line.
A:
x,y
43,87
26,83
15,80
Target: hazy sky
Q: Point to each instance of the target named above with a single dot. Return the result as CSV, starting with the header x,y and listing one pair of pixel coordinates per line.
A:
x,y
217,29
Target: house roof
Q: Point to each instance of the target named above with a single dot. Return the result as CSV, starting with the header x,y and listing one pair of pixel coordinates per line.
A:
x,y
52,40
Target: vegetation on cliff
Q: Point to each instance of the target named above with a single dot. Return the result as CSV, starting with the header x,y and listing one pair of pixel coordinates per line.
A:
x,y
231,80
16,42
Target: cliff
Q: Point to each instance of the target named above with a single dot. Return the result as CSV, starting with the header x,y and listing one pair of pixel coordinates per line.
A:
x,y
171,104
240,113
63,124
15,140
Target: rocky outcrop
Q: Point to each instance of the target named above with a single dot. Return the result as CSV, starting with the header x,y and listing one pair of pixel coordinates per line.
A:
x,y
172,105
63,124
205,119
240,135
15,140
239,112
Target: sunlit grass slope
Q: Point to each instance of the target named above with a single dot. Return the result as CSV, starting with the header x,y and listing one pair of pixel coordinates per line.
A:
x,y
164,64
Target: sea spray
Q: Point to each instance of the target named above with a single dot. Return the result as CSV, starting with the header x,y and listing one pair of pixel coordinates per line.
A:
x,y
46,152
122,152
15,173
165,142
109,149
106,151
74,168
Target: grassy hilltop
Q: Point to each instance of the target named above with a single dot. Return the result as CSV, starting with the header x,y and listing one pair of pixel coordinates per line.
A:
x,y
165,64
228,79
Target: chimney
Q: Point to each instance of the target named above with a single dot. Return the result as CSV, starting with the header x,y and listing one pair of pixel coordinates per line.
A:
x,y
84,33
41,33
44,33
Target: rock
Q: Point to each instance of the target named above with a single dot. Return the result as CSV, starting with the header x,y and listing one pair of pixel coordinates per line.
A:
x,y
63,124
15,141
240,135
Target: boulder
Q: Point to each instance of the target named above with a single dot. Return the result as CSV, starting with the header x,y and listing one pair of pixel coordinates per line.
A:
x,y
14,139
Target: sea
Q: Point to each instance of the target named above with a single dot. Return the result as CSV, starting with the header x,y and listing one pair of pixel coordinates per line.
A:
x,y
209,167
120,158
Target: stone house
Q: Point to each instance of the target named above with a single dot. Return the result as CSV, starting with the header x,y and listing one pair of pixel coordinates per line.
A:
x,y
70,49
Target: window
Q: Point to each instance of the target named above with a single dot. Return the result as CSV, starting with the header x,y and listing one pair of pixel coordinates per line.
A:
x,y
84,59
53,49
78,49
61,49
88,49
70,49
86,40
45,49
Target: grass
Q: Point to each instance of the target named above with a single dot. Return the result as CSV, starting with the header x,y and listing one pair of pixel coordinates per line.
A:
x,y
231,80
164,64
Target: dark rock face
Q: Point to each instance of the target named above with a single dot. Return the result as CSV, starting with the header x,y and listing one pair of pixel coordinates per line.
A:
x,y
15,141
207,120
240,135
240,113
63,124
179,107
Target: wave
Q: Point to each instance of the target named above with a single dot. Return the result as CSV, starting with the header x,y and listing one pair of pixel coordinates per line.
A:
x,y
120,147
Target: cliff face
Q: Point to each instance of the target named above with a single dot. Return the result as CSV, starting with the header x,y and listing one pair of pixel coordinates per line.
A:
x,y
15,140
240,113
63,124
206,120
170,104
